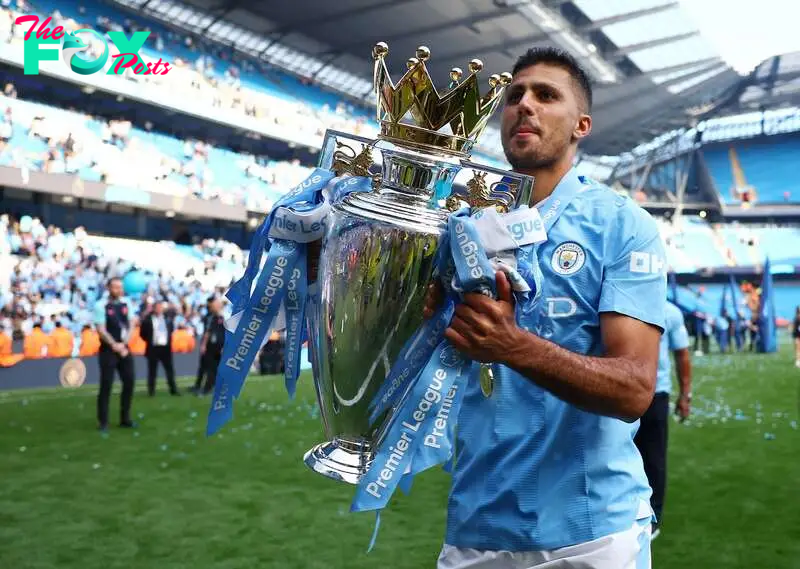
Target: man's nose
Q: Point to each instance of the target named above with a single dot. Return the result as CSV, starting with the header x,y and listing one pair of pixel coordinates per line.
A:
x,y
528,104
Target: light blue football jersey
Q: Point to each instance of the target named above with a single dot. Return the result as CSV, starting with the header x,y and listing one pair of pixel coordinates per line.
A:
x,y
532,472
675,337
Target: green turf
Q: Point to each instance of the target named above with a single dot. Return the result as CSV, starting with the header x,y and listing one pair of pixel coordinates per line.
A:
x,y
165,497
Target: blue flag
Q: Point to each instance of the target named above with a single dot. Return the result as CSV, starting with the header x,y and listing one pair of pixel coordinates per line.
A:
x,y
767,331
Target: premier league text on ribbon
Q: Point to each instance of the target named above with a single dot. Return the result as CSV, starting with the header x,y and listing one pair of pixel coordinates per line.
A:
x,y
409,432
293,224
434,438
470,251
274,284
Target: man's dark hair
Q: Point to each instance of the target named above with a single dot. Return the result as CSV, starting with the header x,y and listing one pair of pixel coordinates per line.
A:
x,y
558,58
112,279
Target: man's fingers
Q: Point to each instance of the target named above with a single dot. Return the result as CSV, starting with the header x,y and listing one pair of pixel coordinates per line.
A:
x,y
467,314
456,340
504,291
466,329
433,299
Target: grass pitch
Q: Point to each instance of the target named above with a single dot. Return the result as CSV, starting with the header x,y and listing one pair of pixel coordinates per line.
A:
x,y
166,497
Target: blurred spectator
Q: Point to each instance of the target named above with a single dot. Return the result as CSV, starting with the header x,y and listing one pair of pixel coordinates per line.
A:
x,y
61,342
37,344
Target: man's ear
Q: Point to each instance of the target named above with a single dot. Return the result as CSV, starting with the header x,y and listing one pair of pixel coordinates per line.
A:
x,y
583,127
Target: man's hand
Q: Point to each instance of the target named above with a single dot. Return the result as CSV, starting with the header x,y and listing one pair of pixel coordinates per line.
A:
x,y
433,299
484,329
682,407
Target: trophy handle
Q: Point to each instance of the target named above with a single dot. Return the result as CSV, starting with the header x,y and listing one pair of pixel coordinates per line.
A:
x,y
342,158
510,192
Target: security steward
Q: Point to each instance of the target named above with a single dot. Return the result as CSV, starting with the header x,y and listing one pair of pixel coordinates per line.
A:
x,y
156,330
212,343
113,321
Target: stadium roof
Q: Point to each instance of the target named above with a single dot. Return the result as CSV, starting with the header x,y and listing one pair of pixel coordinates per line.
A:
x,y
647,59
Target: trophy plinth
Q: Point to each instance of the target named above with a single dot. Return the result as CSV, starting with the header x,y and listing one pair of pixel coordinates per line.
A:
x,y
340,460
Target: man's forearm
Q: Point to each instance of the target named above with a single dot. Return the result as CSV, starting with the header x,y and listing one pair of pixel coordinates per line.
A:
x,y
684,371
107,338
612,386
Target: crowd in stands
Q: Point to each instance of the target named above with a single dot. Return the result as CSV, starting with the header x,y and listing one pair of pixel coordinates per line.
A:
x,y
695,244
35,137
50,281
39,137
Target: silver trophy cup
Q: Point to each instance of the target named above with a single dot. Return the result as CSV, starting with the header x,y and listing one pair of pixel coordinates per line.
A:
x,y
376,262
378,255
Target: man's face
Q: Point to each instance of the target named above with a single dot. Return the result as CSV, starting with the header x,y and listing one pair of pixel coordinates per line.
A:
x,y
115,288
158,308
542,117
216,306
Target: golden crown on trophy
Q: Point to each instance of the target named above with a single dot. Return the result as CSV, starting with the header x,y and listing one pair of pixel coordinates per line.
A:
x,y
462,107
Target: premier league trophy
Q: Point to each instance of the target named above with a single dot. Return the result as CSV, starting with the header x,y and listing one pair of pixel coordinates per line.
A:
x,y
379,249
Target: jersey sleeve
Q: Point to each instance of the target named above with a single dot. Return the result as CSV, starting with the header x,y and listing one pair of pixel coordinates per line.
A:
x,y
677,333
99,313
635,269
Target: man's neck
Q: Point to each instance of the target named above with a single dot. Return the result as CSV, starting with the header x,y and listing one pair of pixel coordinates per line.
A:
x,y
546,179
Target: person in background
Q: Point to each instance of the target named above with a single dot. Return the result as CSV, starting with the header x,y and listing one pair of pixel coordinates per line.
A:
x,y
62,342
651,438
182,341
156,330
212,343
796,336
37,344
113,320
6,343
90,342
201,366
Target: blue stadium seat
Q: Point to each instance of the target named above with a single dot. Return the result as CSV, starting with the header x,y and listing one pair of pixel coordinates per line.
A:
x,y
768,165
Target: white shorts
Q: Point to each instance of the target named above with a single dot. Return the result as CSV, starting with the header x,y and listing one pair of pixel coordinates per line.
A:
x,y
629,549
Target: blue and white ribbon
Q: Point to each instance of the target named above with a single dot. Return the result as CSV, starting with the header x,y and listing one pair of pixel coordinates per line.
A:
x,y
280,289
427,395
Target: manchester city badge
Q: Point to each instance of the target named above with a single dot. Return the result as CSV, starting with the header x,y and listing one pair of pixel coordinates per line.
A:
x,y
568,258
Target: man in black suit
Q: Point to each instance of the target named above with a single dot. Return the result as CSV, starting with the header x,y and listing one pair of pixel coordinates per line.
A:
x,y
212,343
156,331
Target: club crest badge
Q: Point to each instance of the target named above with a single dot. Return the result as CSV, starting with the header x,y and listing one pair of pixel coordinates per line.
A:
x,y
568,258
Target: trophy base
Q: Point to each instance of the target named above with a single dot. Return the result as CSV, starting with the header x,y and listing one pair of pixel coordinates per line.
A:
x,y
340,460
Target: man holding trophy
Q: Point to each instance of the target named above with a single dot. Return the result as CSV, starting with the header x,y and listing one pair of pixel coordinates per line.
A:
x,y
549,476
524,370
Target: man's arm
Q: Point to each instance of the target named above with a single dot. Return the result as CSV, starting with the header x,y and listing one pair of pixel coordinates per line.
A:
x,y
684,366
104,335
618,384
146,330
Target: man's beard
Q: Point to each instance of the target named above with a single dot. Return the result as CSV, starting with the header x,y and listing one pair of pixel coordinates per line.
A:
x,y
530,161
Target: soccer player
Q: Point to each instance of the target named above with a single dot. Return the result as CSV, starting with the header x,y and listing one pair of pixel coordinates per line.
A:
x,y
113,320
651,438
546,473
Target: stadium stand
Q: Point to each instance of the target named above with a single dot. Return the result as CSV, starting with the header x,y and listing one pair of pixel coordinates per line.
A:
x,y
48,139
766,165
52,278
